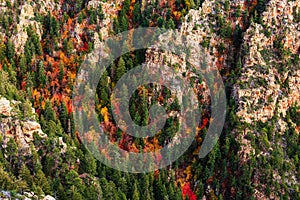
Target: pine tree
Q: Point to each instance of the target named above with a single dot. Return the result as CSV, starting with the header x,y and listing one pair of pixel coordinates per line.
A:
x,y
70,157
61,72
64,116
36,162
121,195
122,183
2,52
73,193
61,193
88,164
41,180
49,113
160,22
135,194
124,24
6,180
27,109
137,13
10,50
22,65
48,165
227,5
147,194
121,69
144,108
80,18
73,179
239,64
41,76
109,189
116,25
25,175
126,6
171,24
93,192
12,154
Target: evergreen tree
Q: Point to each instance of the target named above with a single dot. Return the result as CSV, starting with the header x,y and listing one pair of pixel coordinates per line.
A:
x,y
36,162
73,179
49,113
25,175
227,5
137,13
2,51
171,24
64,116
126,6
121,69
6,180
61,193
122,196
10,49
88,164
116,25
22,65
41,76
73,193
41,181
124,24
160,22
61,72
135,194
12,154
80,18
93,192
27,109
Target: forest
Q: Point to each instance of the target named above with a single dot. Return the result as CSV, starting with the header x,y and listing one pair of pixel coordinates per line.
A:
x,y
40,73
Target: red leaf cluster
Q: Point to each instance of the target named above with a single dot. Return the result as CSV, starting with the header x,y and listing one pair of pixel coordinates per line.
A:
x,y
187,191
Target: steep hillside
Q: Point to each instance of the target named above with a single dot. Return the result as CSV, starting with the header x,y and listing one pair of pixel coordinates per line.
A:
x,y
253,44
267,95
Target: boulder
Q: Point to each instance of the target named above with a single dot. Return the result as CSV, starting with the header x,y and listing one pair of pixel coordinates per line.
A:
x,y
48,197
5,108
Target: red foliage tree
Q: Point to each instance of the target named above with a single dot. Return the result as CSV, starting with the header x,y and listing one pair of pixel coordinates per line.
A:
x,y
187,191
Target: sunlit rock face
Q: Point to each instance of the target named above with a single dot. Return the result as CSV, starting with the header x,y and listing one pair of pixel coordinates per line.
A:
x,y
267,79
269,85
12,126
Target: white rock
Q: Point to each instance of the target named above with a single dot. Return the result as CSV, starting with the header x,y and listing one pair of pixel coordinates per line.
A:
x,y
48,197
5,108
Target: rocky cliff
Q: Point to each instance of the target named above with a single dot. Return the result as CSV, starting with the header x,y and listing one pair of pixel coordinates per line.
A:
x,y
269,86
13,126
269,77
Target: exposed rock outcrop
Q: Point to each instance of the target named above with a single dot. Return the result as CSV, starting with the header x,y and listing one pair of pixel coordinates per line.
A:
x,y
268,87
11,126
5,107
6,195
27,19
267,80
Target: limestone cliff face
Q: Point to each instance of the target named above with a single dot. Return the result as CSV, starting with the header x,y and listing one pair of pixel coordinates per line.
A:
x,y
199,28
110,11
267,78
21,130
6,195
269,86
27,18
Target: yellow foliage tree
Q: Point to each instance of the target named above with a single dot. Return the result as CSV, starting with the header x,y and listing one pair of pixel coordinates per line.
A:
x,y
105,114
